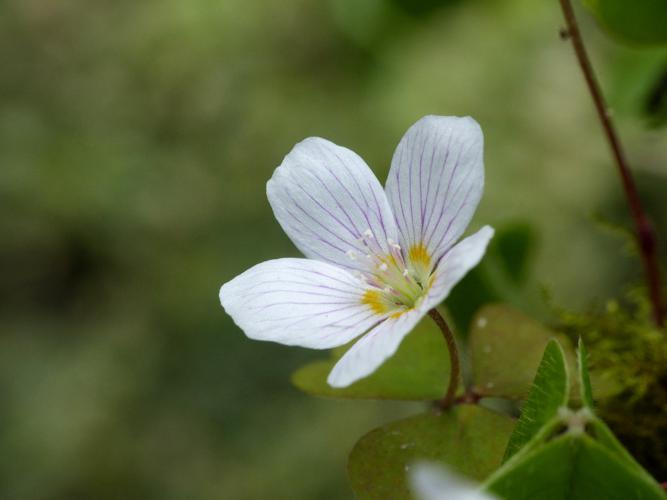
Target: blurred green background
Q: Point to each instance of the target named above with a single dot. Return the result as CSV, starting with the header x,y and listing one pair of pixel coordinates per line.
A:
x,y
135,142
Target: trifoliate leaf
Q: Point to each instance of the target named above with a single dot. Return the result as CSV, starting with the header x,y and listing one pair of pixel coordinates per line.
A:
x,y
572,466
506,347
468,439
418,371
549,393
585,389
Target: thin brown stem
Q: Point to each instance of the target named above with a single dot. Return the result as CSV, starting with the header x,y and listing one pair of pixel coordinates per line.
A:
x,y
644,231
454,362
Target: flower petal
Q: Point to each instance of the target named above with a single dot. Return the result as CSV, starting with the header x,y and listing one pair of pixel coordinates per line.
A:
x,y
370,351
429,481
331,205
298,302
456,263
436,181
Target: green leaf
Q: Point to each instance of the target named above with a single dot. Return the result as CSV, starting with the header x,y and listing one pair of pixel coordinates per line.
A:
x,y
585,389
572,467
418,371
514,246
637,21
497,277
636,84
469,439
606,438
555,453
506,347
550,391
471,293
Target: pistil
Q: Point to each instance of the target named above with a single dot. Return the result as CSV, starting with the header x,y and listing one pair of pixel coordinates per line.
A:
x,y
398,282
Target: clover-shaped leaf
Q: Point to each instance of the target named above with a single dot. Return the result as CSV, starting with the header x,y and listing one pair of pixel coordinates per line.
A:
x,y
505,348
550,391
418,371
499,277
469,439
573,467
559,453
585,389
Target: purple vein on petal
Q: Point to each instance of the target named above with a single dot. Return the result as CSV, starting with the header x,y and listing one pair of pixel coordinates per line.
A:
x,y
458,188
305,316
357,231
378,214
328,230
354,292
424,199
445,203
328,212
465,201
309,293
399,191
318,273
294,303
354,200
363,196
440,182
412,214
315,235
428,137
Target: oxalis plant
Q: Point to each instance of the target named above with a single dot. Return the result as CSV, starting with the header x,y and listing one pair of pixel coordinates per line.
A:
x,y
513,410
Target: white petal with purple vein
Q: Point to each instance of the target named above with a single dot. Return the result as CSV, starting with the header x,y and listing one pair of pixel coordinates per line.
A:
x,y
456,263
370,351
429,481
331,205
298,302
436,181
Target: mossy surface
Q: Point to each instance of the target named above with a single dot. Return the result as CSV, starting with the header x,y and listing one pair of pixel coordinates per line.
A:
x,y
629,352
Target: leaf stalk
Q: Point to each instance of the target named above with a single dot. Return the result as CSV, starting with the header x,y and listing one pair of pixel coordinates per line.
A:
x,y
454,359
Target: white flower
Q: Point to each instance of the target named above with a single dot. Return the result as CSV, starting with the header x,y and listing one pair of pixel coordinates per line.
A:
x,y
433,482
377,260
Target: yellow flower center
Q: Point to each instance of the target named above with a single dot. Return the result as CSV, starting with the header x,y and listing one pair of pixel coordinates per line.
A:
x,y
398,283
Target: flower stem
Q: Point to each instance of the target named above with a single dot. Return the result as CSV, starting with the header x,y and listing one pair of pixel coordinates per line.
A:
x,y
644,231
454,362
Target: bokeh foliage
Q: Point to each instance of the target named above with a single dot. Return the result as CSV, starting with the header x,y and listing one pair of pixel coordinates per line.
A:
x,y
135,141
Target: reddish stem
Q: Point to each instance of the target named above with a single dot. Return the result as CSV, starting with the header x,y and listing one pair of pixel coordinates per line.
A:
x,y
644,231
454,363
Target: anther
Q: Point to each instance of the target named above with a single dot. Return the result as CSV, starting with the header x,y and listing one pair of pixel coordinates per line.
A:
x,y
393,244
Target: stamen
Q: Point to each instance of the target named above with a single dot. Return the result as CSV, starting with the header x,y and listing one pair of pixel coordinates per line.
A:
x,y
397,281
393,244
